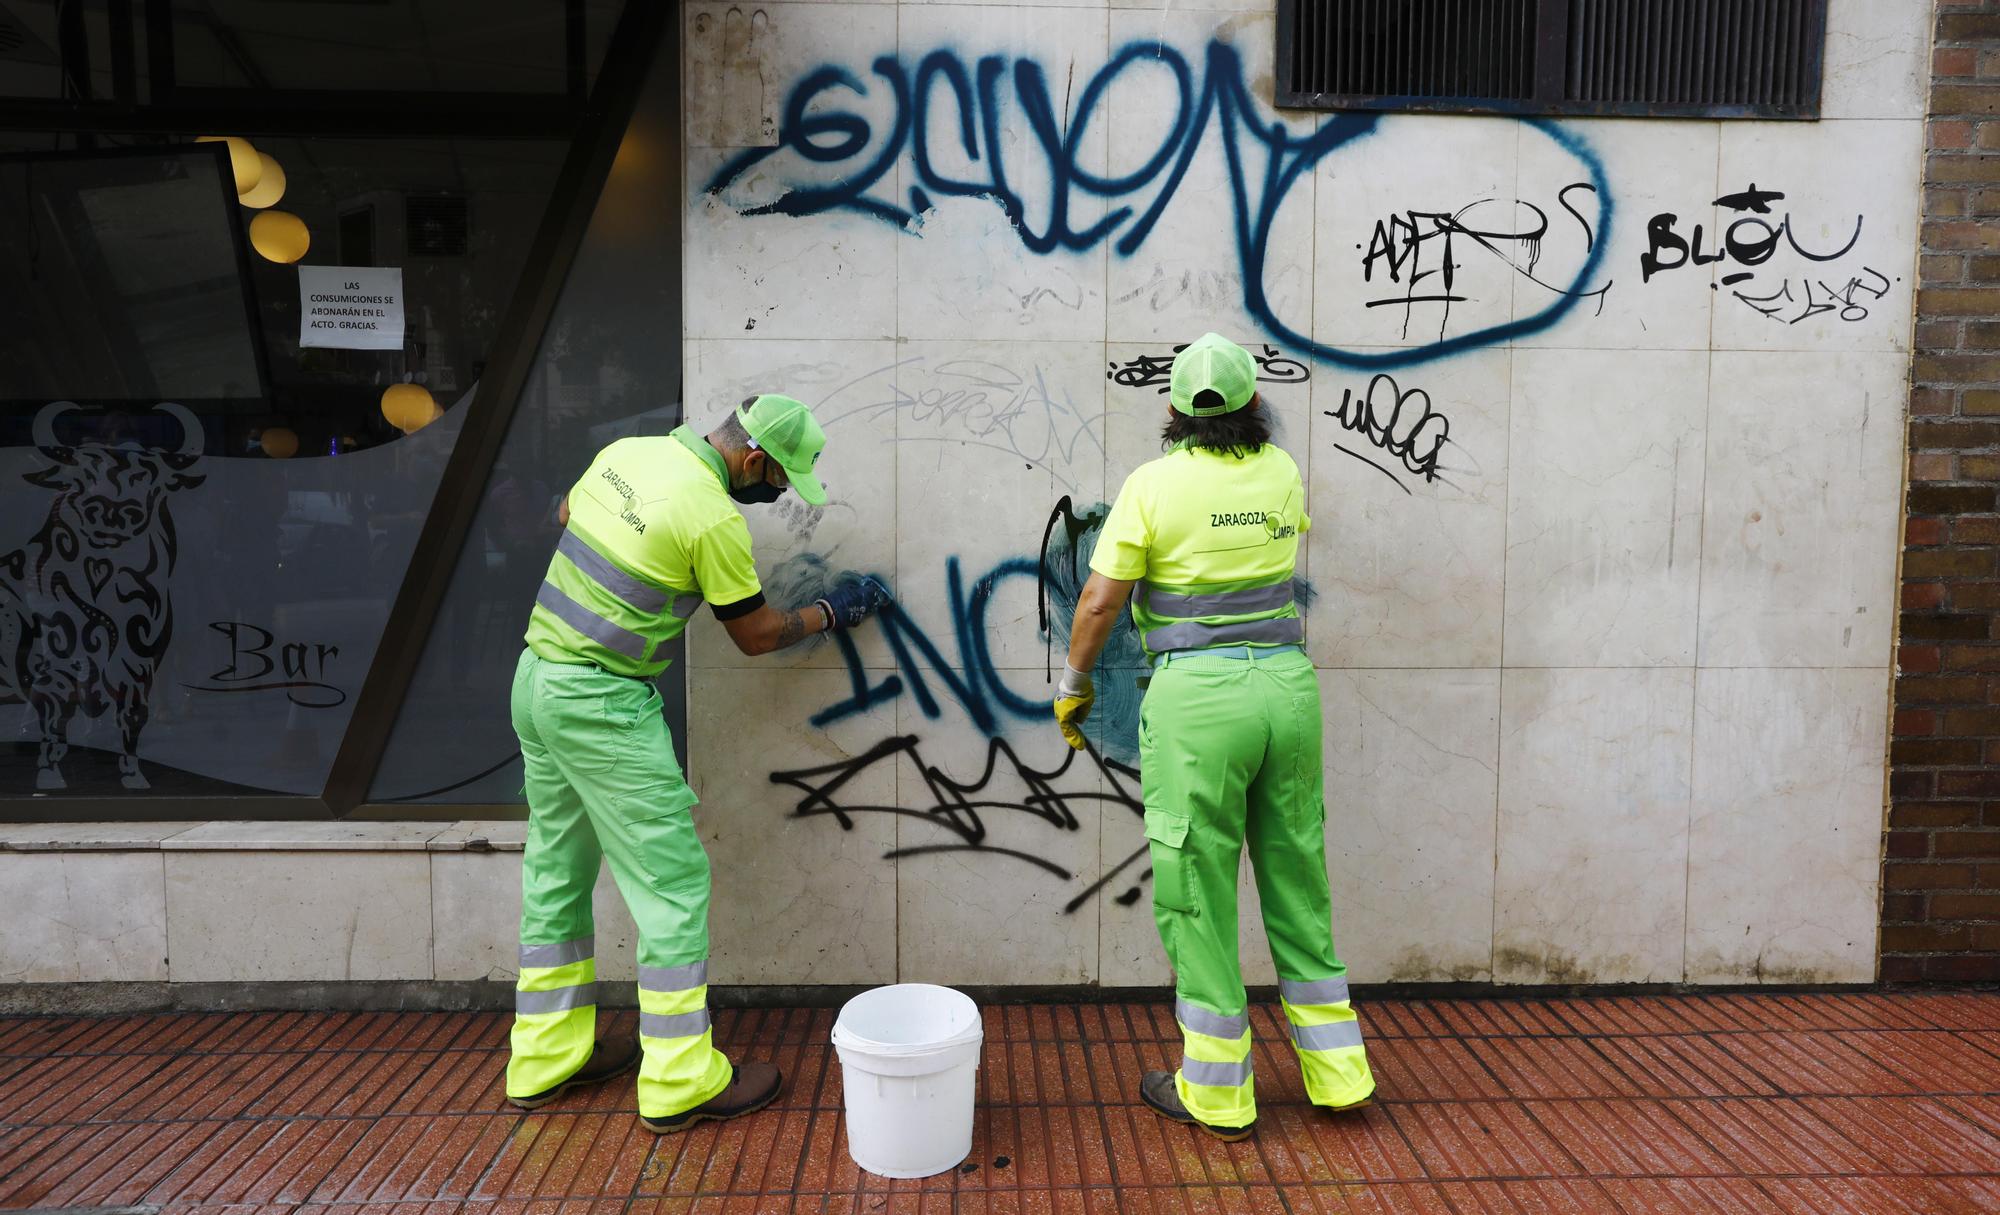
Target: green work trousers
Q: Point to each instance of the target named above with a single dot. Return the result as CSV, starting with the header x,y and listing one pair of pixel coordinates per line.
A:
x,y
603,786
1230,753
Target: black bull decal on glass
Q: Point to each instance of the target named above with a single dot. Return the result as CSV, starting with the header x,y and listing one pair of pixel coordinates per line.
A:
x,y
84,611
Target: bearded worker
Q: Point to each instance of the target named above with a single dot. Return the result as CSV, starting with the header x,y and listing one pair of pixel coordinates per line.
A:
x,y
652,532
1229,737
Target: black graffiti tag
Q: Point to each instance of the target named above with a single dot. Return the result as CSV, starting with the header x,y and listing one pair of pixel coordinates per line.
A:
x,y
1399,244
1399,421
957,808
1748,241
1154,370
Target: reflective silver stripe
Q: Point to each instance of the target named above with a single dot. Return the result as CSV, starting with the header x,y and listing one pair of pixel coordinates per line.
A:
x,y
673,1025
1331,1036
582,995
590,624
674,978
1318,991
1216,1075
1215,1025
1176,606
685,605
1193,635
638,592
562,953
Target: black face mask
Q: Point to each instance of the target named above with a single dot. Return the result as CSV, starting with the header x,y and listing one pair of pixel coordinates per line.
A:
x,y
762,491
758,491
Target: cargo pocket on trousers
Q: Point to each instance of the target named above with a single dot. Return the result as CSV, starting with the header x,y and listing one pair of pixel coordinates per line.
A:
x,y
1173,884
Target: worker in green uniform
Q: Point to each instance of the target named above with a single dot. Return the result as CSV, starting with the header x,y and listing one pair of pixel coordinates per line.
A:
x,y
652,532
1229,737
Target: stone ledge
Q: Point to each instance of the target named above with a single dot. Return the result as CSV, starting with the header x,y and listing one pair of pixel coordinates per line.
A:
x,y
88,837
234,836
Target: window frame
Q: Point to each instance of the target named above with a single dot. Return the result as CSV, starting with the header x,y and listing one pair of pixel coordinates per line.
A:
x,y
593,128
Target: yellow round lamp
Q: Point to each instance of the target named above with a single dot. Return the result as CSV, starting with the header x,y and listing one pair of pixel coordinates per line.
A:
x,y
243,160
270,185
280,236
409,407
279,442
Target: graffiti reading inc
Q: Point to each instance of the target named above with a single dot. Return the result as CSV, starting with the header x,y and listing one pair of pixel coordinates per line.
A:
x,y
299,668
836,160
85,616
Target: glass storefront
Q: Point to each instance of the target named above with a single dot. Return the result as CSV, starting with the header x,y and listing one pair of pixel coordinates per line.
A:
x,y
293,289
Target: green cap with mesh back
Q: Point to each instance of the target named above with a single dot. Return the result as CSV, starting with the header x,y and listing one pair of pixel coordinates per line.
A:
x,y
1212,363
785,430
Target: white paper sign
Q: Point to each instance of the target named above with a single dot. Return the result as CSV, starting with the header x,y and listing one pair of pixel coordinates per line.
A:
x,y
351,307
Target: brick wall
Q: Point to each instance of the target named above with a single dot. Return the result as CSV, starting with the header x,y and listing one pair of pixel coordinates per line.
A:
x,y
1941,872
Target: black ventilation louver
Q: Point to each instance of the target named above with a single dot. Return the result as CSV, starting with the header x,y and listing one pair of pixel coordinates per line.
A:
x,y
1663,58
436,224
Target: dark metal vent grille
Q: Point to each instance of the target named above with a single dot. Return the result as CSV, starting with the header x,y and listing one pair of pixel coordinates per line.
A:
x,y
1691,52
1416,48
1666,58
436,223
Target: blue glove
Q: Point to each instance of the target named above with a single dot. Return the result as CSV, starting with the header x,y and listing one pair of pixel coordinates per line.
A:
x,y
853,601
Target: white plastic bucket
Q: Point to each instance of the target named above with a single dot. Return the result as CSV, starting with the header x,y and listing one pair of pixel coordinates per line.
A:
x,y
908,1057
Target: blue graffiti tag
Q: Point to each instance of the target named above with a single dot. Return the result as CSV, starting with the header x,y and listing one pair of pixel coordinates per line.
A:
x,y
820,133
975,683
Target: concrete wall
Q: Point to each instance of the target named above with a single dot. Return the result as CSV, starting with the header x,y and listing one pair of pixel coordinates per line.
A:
x,y
1604,616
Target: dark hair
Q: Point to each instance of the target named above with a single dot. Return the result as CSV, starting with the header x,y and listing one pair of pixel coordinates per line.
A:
x,y
1242,432
731,431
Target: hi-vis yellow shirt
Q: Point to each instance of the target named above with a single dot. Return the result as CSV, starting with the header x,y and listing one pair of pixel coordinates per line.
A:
x,y
652,534
1213,541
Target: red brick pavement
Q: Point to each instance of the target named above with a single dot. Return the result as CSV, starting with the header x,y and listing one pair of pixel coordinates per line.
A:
x,y
1722,1105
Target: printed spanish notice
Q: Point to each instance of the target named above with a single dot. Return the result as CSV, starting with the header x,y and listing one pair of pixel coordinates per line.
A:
x,y
351,307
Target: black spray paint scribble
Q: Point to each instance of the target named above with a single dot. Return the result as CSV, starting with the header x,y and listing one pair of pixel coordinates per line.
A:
x,y
1419,251
972,402
957,808
1816,297
1751,240
1400,422
85,609
1154,370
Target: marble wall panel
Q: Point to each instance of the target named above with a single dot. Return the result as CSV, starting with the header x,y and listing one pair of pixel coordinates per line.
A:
x,y
801,890
1801,524
1604,508
82,917
242,916
1785,842
1591,872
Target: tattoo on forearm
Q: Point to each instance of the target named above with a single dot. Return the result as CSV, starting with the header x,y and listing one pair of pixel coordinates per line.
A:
x,y
792,629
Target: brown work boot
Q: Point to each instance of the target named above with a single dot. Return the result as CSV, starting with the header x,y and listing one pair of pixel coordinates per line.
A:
x,y
607,1059
1157,1090
752,1086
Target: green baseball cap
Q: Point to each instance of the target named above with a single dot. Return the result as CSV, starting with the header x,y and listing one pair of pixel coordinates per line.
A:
x,y
785,430
1212,363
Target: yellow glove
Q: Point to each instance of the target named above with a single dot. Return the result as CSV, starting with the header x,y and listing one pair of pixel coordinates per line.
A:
x,y
1074,696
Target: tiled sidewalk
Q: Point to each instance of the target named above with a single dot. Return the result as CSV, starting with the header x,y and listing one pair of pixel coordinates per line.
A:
x,y
1767,1104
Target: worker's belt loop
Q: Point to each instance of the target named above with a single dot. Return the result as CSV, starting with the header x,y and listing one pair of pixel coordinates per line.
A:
x,y
1245,652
